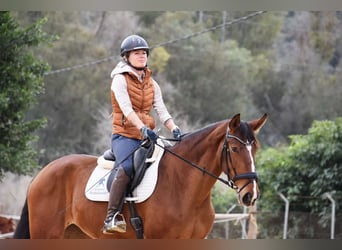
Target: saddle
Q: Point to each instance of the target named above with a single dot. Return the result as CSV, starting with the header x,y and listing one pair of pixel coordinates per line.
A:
x,y
145,171
98,184
142,159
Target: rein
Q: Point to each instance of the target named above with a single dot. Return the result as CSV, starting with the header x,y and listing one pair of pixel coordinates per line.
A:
x,y
231,181
202,169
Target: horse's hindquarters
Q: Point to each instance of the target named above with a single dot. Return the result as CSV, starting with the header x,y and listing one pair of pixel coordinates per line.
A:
x,y
55,193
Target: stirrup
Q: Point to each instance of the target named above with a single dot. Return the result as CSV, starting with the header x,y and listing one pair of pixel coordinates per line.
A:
x,y
115,225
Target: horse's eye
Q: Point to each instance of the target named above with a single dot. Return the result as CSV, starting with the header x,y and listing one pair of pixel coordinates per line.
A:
x,y
235,149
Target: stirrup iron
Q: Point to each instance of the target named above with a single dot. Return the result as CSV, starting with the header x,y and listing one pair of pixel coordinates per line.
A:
x,y
119,226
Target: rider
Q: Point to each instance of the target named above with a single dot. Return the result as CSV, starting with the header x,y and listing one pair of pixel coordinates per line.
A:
x,y
134,92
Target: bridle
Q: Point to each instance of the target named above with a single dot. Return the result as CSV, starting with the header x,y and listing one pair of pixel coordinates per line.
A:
x,y
251,176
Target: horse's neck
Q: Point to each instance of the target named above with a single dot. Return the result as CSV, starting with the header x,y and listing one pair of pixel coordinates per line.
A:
x,y
202,153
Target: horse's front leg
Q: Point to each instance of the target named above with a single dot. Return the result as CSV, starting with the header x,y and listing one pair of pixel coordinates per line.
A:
x,y
205,216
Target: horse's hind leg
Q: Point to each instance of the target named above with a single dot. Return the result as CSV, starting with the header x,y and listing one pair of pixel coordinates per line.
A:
x,y
42,227
39,231
46,217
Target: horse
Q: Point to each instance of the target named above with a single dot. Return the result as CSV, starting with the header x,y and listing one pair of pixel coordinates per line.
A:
x,y
6,225
180,206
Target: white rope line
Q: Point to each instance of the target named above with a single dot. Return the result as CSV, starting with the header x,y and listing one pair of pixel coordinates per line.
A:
x,y
237,20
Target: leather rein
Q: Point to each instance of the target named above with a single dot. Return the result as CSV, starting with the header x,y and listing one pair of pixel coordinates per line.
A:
x,y
225,151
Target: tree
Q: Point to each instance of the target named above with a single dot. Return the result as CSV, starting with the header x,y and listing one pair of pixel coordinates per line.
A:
x,y
303,171
304,79
74,99
21,82
211,77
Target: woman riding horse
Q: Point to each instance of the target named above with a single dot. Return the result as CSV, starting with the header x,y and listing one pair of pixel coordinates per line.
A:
x,y
180,206
133,93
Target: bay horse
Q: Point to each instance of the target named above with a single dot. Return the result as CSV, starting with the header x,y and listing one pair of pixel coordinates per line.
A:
x,y
180,206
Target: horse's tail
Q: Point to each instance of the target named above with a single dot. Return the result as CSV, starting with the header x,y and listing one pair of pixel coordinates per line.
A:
x,y
22,230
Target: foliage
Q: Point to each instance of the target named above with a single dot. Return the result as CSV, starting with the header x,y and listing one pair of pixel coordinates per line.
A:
x,y
263,64
77,100
223,198
255,34
211,77
159,58
305,170
302,84
284,63
21,82
149,17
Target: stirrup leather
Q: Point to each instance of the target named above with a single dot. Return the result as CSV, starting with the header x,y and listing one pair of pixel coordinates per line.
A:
x,y
117,224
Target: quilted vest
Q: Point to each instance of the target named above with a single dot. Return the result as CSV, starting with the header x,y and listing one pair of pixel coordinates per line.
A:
x,y
141,95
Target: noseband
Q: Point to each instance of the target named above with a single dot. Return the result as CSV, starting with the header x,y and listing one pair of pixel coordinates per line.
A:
x,y
225,151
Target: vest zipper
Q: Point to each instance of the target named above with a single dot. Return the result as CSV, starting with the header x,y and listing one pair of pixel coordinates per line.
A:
x,y
143,97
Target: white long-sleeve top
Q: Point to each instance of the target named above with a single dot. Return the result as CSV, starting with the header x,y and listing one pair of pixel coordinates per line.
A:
x,y
119,87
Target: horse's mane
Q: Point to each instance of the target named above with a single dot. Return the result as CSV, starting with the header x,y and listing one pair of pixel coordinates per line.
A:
x,y
247,133
204,130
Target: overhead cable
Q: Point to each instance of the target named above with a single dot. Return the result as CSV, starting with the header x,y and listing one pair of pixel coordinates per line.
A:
x,y
91,63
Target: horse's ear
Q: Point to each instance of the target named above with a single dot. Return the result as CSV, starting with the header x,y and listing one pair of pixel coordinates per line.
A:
x,y
257,124
234,123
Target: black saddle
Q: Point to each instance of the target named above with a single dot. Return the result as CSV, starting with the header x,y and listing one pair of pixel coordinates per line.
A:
x,y
109,155
139,165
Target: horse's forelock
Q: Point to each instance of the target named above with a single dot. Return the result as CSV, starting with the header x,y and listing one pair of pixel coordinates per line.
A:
x,y
247,132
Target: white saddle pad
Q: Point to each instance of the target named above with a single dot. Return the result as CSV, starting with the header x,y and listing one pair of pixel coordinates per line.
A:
x,y
96,188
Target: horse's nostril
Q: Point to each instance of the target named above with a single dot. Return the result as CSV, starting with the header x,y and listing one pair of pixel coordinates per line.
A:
x,y
247,198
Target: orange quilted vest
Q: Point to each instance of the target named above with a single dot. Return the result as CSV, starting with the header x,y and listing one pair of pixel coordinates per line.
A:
x,y
142,96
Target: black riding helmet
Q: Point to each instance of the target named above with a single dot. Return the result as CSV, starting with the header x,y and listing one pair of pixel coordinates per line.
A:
x,y
134,42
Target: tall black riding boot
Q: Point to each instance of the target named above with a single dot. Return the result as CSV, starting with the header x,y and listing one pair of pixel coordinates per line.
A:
x,y
115,221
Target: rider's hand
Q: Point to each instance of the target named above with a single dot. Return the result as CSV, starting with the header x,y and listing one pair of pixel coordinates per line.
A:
x,y
177,133
148,133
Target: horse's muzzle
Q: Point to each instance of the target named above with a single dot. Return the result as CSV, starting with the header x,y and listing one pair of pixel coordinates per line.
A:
x,y
248,199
